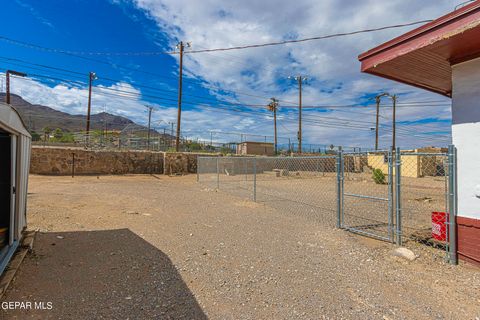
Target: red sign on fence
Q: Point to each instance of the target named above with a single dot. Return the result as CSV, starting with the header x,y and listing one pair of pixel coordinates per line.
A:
x,y
439,226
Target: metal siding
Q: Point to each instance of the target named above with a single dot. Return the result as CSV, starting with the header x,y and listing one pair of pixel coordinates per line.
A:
x,y
22,183
11,122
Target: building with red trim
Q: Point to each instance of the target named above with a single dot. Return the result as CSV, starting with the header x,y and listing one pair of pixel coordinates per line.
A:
x,y
443,56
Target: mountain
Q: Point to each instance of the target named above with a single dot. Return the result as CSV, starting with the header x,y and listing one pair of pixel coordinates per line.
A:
x,y
36,117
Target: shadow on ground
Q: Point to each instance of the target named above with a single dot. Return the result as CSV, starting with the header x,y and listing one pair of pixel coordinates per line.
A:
x,y
111,274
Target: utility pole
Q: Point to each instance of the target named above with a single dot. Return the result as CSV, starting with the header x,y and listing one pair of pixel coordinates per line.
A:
x,y
7,82
394,105
91,77
300,80
273,106
150,108
180,47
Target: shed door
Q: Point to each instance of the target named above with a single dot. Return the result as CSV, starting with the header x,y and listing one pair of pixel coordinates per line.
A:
x,y
13,188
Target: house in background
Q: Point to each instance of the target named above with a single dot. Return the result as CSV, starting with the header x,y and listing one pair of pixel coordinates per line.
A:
x,y
415,165
255,148
443,56
15,143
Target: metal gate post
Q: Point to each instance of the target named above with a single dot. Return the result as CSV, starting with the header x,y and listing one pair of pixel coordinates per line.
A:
x,y
218,173
398,196
391,162
255,179
452,204
339,189
245,168
342,178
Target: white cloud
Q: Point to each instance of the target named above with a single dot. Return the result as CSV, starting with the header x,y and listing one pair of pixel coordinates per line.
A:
x,y
197,123
331,64
73,100
35,13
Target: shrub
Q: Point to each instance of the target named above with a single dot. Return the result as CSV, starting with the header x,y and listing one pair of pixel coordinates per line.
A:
x,y
378,176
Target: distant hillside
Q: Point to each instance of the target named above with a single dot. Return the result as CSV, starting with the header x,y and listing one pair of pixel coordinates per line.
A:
x,y
37,117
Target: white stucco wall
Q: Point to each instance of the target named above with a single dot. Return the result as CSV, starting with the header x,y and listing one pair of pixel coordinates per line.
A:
x,y
466,135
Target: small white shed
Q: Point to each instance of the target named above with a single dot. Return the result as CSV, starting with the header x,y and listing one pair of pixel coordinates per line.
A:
x,y
15,142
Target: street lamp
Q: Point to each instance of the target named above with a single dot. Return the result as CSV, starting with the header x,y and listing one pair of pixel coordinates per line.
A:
x,y
7,76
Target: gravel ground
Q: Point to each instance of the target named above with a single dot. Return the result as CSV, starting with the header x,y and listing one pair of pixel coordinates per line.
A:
x,y
420,197
155,247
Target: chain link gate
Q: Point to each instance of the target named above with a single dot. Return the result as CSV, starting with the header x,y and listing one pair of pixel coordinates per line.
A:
x,y
403,196
406,197
366,193
427,199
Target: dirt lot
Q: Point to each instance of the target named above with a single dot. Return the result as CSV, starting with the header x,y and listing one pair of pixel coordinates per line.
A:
x,y
420,197
155,247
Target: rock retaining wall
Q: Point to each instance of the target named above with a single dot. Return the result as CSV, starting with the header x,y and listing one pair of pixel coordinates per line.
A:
x,y
60,160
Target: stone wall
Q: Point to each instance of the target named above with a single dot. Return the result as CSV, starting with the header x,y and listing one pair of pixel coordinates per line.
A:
x,y
182,162
59,161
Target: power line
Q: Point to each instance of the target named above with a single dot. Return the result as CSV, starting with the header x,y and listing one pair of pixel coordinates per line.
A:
x,y
70,52
259,45
139,94
82,75
409,104
207,86
135,94
309,39
123,94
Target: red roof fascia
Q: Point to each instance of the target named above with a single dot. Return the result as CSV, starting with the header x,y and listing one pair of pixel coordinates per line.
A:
x,y
422,36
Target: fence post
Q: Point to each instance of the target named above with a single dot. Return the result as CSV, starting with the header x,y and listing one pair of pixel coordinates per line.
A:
x,y
391,163
339,188
398,196
246,169
218,173
452,204
255,179
198,168
73,165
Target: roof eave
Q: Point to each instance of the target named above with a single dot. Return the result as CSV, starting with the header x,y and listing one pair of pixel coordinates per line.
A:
x,y
426,28
417,85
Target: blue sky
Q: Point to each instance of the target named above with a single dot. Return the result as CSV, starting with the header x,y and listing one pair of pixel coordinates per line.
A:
x,y
218,85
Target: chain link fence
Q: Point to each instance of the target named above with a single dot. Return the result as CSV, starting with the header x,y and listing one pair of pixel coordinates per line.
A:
x,y
425,186
405,197
367,201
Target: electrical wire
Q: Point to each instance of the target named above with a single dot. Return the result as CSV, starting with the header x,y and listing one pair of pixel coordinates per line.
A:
x,y
250,46
137,95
